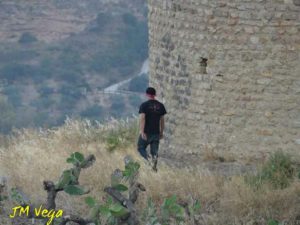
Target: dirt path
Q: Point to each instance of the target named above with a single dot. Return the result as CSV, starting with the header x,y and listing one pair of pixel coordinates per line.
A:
x,y
194,161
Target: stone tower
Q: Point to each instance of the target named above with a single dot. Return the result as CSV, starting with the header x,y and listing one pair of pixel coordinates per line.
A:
x,y
228,72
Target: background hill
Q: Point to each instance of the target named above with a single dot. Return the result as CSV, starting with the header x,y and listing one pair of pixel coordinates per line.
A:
x,y
56,57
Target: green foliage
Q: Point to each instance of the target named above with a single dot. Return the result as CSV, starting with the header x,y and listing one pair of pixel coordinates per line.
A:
x,y
110,208
131,169
275,222
27,38
94,112
17,55
3,198
13,95
109,212
45,91
90,201
194,207
120,187
149,215
18,197
117,106
65,179
129,19
43,103
113,141
121,136
277,171
135,101
76,158
75,190
103,19
139,84
15,71
170,209
66,62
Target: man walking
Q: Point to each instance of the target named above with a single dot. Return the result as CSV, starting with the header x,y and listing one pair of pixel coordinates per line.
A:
x,y
151,126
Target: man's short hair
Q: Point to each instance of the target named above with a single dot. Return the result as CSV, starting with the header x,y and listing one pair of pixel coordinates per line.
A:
x,y
151,91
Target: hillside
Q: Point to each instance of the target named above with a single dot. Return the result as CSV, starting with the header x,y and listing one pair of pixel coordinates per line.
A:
x,y
57,56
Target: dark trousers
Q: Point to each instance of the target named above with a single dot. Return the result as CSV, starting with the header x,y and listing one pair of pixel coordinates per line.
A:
x,y
153,141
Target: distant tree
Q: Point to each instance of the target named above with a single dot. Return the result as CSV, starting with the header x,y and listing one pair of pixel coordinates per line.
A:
x,y
102,20
139,84
129,19
15,71
93,112
27,38
45,91
118,106
13,95
135,100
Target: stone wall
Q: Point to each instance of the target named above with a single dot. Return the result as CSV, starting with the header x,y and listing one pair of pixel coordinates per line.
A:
x,y
248,102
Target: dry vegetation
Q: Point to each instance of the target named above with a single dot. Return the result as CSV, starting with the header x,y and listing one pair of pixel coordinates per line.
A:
x,y
31,156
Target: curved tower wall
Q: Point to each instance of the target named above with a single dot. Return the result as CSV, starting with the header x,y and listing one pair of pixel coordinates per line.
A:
x,y
248,102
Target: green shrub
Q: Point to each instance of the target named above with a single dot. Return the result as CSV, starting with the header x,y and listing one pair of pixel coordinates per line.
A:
x,y
93,112
278,171
43,102
275,222
135,100
171,209
129,19
121,136
13,95
117,106
45,91
139,84
15,55
27,38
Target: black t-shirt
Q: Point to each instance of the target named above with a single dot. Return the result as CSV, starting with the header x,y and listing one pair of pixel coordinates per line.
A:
x,y
153,110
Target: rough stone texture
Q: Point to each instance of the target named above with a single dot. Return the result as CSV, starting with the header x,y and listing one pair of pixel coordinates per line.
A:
x,y
248,103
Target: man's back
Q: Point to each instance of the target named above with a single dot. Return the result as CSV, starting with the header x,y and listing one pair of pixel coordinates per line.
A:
x,y
153,110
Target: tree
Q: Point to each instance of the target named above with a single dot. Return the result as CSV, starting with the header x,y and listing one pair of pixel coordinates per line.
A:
x,y
27,38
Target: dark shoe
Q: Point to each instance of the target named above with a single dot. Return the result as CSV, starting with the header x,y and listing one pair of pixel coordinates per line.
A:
x,y
154,164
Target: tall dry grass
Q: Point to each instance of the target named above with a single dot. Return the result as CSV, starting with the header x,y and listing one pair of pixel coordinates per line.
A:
x,y
32,156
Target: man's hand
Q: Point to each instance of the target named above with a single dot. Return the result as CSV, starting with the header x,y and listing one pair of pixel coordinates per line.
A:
x,y
144,136
162,127
161,135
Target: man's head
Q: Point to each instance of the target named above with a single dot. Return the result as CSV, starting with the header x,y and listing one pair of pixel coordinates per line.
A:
x,y
150,92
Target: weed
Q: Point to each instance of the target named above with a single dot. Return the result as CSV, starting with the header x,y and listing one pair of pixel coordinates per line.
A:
x,y
277,171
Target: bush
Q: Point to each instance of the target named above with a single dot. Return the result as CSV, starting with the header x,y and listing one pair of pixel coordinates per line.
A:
x,y
43,103
13,95
93,112
27,38
101,21
278,171
129,19
17,55
118,106
45,91
122,135
15,71
139,84
135,100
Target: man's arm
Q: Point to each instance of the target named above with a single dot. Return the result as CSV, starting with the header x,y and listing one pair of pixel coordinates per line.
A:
x,y
162,126
142,126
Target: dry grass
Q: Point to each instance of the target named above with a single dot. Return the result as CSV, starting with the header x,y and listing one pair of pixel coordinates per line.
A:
x,y
33,156
210,155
